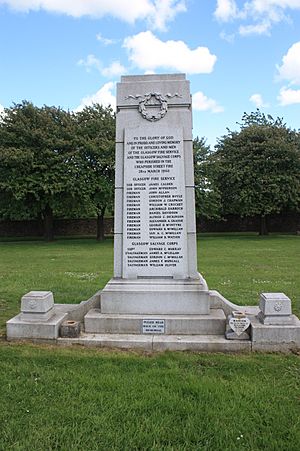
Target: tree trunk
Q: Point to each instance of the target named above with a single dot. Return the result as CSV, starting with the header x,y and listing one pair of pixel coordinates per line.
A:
x,y
263,225
100,225
48,224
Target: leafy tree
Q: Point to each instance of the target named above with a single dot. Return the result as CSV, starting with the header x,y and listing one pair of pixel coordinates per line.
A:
x,y
258,168
39,163
207,196
95,133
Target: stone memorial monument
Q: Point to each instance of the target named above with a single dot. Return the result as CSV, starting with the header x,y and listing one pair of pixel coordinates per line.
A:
x,y
157,299
155,258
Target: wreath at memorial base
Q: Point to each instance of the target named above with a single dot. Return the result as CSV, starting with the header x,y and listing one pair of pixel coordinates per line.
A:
x,y
150,116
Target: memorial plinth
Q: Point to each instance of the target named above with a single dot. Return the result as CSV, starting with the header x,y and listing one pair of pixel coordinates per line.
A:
x,y
155,259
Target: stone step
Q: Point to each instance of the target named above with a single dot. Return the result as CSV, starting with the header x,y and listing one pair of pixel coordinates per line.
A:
x,y
108,323
199,343
155,296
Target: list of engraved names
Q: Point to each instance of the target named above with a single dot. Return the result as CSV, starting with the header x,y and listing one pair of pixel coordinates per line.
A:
x,y
154,204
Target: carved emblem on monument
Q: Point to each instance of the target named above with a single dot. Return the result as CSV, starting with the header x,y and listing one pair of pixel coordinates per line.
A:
x,y
32,304
148,114
278,306
147,101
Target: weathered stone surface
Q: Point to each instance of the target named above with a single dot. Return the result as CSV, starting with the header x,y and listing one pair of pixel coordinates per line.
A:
x,y
212,324
37,317
37,306
76,312
17,328
70,328
230,335
123,341
133,86
275,309
274,334
155,259
199,343
212,343
218,301
275,304
154,224
155,232
155,296
37,302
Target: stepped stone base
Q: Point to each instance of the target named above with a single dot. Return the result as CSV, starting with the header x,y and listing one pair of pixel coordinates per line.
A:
x,y
277,337
200,343
156,296
108,323
200,332
18,328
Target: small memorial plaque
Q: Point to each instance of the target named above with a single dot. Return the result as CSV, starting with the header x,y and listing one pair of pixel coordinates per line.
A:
x,y
239,323
153,326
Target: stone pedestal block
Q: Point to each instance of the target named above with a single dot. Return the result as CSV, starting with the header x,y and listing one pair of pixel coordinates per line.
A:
x,y
275,309
38,318
155,296
275,337
18,329
37,306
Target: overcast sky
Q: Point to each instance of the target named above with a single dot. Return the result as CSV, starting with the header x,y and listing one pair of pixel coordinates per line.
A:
x,y
238,55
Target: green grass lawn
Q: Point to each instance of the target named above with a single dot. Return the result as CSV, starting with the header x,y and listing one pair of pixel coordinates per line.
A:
x,y
73,269
87,399
91,399
243,266
239,266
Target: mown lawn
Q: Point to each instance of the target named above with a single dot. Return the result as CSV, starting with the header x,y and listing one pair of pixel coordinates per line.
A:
x,y
239,266
91,399
243,266
72,269
87,399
